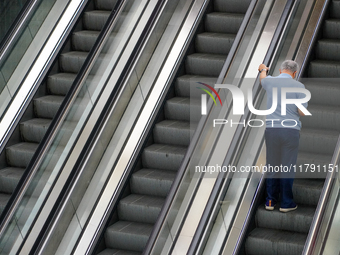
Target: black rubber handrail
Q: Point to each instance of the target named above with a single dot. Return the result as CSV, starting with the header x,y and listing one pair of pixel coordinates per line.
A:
x,y
182,170
54,126
9,40
91,141
239,136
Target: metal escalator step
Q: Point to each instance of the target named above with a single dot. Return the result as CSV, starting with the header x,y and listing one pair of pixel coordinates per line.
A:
x,y
20,154
219,22
131,236
331,29
47,106
3,200
186,85
324,69
140,208
33,130
262,241
71,62
173,132
117,252
60,83
306,161
323,117
296,221
105,4
9,178
95,20
204,64
325,49
163,156
318,141
183,108
334,9
153,182
214,43
234,6
328,93
307,191
84,40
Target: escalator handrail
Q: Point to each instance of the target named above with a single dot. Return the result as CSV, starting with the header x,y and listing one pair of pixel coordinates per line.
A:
x,y
17,26
93,137
181,172
322,204
239,134
56,122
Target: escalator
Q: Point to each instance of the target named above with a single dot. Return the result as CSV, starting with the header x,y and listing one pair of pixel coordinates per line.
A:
x,y
279,233
151,180
42,109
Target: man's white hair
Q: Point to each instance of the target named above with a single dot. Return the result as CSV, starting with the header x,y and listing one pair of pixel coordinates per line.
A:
x,y
290,66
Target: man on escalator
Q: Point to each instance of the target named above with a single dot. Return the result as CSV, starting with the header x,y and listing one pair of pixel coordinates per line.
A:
x,y
281,136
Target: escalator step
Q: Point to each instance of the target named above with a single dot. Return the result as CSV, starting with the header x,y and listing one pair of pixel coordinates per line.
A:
x,y
307,191
9,178
262,241
214,43
183,108
227,23
105,4
140,208
60,83
163,156
131,236
33,130
186,85
95,20
331,29
47,106
307,160
324,69
173,132
296,221
335,9
325,49
153,182
117,252
323,117
84,40
71,62
318,141
204,64
22,151
328,92
234,6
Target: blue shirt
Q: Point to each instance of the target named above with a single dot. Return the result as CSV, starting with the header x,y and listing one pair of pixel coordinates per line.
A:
x,y
292,117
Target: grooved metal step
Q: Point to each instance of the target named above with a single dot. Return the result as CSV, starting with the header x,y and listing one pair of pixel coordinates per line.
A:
x,y
140,208
173,132
219,22
131,236
295,221
153,182
262,241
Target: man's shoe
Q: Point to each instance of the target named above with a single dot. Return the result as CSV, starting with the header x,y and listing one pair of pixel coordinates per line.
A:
x,y
288,209
270,205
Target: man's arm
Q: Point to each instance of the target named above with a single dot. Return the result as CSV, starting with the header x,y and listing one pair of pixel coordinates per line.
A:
x,y
300,112
263,69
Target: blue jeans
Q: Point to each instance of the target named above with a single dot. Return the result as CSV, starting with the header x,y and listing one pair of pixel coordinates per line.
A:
x,y
282,150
